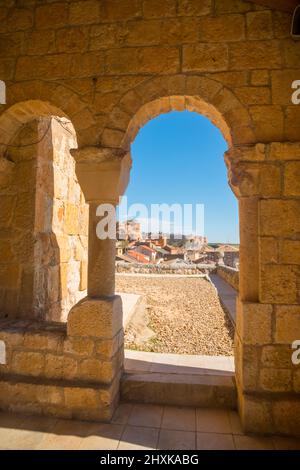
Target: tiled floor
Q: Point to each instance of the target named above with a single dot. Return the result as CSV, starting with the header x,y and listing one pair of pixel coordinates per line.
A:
x,y
137,427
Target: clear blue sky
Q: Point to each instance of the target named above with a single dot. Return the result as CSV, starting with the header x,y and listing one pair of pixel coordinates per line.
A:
x,y
178,158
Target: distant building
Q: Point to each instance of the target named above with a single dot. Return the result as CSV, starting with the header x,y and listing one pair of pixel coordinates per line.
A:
x,y
129,230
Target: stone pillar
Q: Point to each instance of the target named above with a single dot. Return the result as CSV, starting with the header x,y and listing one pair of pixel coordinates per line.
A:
x,y
103,175
101,261
268,313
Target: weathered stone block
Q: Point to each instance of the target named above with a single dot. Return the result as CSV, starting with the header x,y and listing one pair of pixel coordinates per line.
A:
x,y
205,57
286,415
279,218
79,346
276,380
28,363
278,284
259,25
287,324
96,317
255,413
289,251
249,315
292,179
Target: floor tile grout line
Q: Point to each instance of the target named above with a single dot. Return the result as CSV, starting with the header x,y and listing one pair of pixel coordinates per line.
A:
x,y
160,428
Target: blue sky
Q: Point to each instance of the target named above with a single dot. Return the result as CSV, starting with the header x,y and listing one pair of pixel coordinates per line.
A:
x,y
178,158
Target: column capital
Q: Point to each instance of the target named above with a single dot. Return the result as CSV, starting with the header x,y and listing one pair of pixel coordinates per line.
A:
x,y
102,173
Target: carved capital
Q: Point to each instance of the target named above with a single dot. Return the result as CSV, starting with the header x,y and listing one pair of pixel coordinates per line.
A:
x,y
102,173
244,165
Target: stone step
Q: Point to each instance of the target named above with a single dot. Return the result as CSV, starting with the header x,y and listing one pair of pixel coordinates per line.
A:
x,y
182,380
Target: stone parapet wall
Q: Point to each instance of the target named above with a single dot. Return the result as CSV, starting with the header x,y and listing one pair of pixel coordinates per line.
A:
x,y
230,275
137,268
47,371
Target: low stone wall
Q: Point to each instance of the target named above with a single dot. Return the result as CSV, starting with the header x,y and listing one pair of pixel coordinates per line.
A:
x,y
138,268
230,275
44,370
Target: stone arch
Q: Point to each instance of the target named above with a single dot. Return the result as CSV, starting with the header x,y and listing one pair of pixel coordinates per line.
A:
x,y
48,98
180,92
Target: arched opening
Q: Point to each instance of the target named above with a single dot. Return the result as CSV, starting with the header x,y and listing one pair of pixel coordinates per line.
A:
x,y
44,222
188,285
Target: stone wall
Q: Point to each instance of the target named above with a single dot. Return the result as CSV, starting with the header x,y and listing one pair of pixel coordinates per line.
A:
x,y
51,372
230,275
138,268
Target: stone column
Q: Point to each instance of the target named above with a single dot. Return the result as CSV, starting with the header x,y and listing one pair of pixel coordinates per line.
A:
x,y
101,259
103,175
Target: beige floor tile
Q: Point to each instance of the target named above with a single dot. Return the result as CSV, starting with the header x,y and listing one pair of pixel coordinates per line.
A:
x,y
253,443
20,439
146,416
66,435
176,440
122,413
213,420
136,437
213,441
235,423
106,437
286,443
179,418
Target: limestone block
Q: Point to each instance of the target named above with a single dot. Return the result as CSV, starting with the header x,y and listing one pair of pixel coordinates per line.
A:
x,y
279,218
278,284
247,365
284,151
221,29
255,414
194,8
249,316
260,77
268,250
292,179
117,10
259,25
96,370
79,346
289,252
205,57
28,363
96,317
107,348
287,324
276,356
51,16
254,55
276,380
143,60
43,341
286,415
158,9
60,367
268,121
81,397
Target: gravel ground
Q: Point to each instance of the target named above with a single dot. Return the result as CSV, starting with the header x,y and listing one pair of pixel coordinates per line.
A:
x,y
184,313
